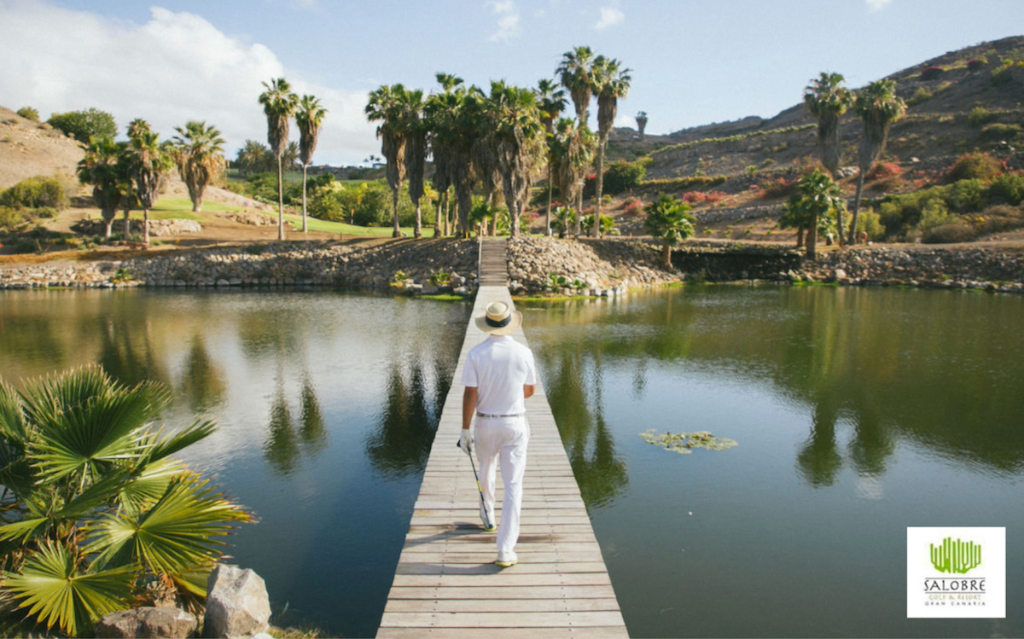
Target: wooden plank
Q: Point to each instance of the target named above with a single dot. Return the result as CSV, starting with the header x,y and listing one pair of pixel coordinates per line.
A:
x,y
500,619
504,579
501,605
607,632
502,592
446,584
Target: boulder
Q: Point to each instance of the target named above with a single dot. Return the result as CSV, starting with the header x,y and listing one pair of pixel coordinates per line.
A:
x,y
148,622
237,604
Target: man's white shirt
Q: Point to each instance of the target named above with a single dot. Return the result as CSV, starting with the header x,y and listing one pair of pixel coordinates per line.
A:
x,y
498,368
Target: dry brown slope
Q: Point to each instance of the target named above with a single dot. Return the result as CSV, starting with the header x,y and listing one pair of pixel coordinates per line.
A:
x,y
30,148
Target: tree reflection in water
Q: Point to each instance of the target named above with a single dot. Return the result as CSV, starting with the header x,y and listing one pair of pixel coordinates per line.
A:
x,y
401,444
202,382
885,364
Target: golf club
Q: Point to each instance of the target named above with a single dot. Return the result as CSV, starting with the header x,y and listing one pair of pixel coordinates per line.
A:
x,y
483,506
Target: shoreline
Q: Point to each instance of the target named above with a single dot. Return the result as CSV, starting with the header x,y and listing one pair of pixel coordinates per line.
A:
x,y
588,268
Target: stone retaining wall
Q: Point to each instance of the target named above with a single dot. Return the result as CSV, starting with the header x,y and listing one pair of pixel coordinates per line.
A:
x,y
604,267
157,228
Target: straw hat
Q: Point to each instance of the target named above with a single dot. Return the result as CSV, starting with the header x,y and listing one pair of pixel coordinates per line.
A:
x,y
499,319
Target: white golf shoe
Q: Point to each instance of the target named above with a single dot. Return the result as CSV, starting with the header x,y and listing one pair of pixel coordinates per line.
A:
x,y
506,559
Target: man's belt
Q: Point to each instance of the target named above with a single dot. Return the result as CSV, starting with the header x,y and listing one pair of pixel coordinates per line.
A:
x,y
500,416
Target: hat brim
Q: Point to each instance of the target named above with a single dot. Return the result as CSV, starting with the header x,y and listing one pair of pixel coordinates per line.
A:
x,y
508,329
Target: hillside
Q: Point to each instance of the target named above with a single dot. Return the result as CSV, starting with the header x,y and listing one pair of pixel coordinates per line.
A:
x,y
941,93
30,148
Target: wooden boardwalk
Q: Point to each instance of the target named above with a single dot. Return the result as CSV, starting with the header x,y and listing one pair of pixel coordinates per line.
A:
x,y
447,585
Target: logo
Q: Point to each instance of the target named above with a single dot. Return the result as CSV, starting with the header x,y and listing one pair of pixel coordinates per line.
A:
x,y
956,556
956,572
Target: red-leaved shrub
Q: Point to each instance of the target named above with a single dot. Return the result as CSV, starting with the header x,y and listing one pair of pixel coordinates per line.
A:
x,y
884,171
931,73
633,206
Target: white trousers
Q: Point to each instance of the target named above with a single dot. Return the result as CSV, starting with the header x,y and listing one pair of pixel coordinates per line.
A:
x,y
505,438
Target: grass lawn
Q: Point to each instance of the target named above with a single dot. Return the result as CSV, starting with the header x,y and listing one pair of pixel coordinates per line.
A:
x,y
348,229
181,208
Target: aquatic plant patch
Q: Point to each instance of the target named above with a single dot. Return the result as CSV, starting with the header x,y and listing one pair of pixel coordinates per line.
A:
x,y
685,443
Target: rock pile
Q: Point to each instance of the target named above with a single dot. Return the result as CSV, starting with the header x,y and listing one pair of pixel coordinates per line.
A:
x,y
605,267
988,268
157,228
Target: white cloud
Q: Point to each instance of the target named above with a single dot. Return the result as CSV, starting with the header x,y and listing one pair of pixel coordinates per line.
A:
x,y
174,68
610,16
878,5
508,19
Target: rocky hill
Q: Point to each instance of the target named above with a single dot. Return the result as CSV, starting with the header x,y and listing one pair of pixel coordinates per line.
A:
x,y
987,79
29,148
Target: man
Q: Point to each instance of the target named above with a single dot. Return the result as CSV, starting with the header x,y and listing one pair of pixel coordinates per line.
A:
x,y
499,375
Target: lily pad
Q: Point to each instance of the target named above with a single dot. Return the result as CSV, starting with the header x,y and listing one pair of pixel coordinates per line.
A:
x,y
685,443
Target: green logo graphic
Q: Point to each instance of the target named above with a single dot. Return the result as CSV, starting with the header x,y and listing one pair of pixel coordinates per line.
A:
x,y
956,556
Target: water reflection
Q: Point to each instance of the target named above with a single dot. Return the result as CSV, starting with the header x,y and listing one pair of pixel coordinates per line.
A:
x,y
127,352
893,364
282,446
401,444
314,428
588,441
202,381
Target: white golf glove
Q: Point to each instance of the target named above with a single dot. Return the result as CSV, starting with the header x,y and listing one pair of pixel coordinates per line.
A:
x,y
466,442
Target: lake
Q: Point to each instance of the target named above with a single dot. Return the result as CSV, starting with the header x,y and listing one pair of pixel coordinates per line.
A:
x,y
857,412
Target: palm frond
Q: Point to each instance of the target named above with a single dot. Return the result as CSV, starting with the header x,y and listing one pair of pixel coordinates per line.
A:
x,y
53,588
178,534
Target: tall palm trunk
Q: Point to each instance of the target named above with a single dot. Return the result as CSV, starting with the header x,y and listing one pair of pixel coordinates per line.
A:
x,y
856,210
145,226
127,224
839,220
396,230
304,229
437,217
812,237
417,230
579,212
595,230
551,187
280,199
666,255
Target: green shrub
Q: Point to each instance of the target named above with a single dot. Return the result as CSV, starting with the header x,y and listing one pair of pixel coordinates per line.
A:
x,y
85,124
965,196
933,214
868,221
1008,188
29,113
949,234
28,246
35,192
979,166
921,95
622,176
10,220
997,131
979,116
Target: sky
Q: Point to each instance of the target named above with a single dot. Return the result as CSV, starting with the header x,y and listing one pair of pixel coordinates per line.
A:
x,y
693,62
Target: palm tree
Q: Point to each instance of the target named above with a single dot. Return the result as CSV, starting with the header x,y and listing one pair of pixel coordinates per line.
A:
x,y
641,123
199,154
820,196
254,157
138,126
878,106
387,105
828,100
668,219
93,503
433,120
518,140
453,121
279,104
415,153
309,117
574,73
610,82
101,169
148,163
572,149
551,101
